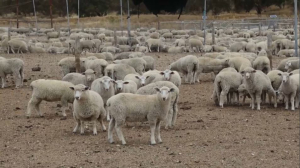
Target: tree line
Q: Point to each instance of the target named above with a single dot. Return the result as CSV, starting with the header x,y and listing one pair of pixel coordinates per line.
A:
x,y
103,7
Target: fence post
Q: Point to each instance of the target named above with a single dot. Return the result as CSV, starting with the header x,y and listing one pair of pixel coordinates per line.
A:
x,y
115,37
213,33
17,5
77,55
259,29
269,52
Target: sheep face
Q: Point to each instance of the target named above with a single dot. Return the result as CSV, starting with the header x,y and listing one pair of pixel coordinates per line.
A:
x,y
106,83
79,91
89,75
287,65
142,79
167,74
248,72
163,93
285,76
119,84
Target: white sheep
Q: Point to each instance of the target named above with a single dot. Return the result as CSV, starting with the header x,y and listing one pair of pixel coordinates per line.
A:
x,y
127,107
262,63
195,43
239,63
286,53
50,91
126,86
291,65
150,62
76,78
154,43
111,49
167,75
136,54
88,106
53,34
142,49
179,42
174,50
282,63
256,82
34,49
237,46
138,64
98,65
210,65
19,45
68,65
12,66
290,89
139,80
187,65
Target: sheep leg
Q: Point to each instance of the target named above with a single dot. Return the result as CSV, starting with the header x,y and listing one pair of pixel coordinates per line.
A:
x,y
258,99
34,103
119,132
149,46
110,130
64,104
174,117
293,101
297,101
107,116
78,124
17,77
286,102
158,48
169,118
3,81
158,131
100,119
252,100
81,127
95,127
152,128
223,95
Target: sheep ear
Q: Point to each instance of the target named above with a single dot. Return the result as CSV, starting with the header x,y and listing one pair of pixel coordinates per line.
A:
x,y
157,89
243,72
172,72
253,71
279,74
94,72
72,88
86,88
83,73
162,73
136,77
172,90
147,77
125,83
114,81
291,74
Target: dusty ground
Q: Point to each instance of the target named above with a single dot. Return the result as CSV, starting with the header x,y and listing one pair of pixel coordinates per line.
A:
x,y
204,136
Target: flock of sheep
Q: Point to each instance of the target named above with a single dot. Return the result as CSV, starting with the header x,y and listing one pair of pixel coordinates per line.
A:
x,y
119,81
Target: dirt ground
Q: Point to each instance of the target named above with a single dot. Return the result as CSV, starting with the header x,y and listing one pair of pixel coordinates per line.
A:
x,y
204,135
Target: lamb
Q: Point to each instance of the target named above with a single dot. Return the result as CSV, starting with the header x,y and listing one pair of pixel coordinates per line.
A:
x,y
256,82
50,91
239,63
127,86
153,108
150,62
17,44
88,106
290,89
76,78
155,43
12,66
281,65
104,87
68,65
193,42
187,65
262,63
98,65
226,82
291,65
138,64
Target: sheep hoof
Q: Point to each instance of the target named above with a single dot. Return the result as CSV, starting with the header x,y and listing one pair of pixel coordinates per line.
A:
x,y
27,117
95,133
104,130
63,118
111,142
42,116
153,143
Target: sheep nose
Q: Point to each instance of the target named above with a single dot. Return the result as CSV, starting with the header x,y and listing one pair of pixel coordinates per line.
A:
x,y
106,89
164,99
143,84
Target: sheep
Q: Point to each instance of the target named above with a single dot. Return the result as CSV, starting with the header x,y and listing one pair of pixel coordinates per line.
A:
x,y
179,42
138,64
209,65
86,78
250,47
155,43
168,35
50,91
176,50
88,106
127,86
237,46
97,43
192,42
135,54
261,46
296,71
286,53
291,65
216,48
226,82
239,63
103,86
150,62
87,44
139,80
34,49
187,65
98,65
281,65
53,34
123,55
17,44
275,79
57,44
168,75
207,48
154,35
124,48
111,49
12,66
262,63
108,56
256,82
68,65
139,48
153,108
290,89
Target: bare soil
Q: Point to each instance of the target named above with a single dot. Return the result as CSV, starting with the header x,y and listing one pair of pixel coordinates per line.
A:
x,y
204,135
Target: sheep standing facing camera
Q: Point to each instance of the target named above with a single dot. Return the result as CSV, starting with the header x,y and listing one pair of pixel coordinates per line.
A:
x,y
127,107
13,66
88,106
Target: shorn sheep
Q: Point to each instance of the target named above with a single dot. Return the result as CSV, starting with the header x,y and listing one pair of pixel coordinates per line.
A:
x,y
88,106
50,91
12,66
133,108
187,65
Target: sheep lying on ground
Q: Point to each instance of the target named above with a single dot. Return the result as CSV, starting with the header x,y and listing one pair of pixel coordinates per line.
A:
x,y
187,65
290,89
127,86
256,82
88,106
50,91
286,53
76,78
151,108
12,66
